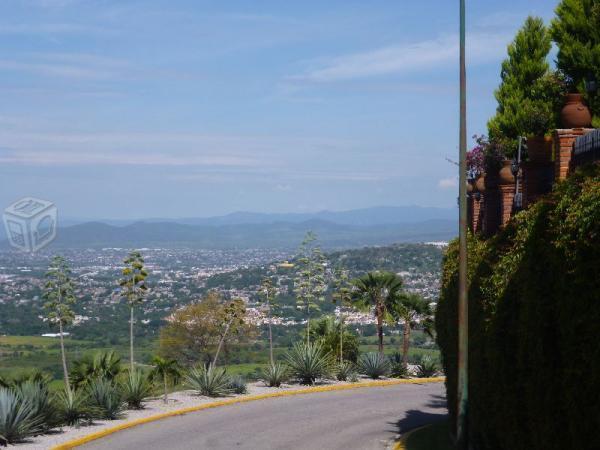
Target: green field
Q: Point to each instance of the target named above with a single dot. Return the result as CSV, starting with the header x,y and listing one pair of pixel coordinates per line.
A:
x,y
23,354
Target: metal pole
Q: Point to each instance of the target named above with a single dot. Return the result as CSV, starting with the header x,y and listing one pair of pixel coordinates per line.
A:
x,y
463,318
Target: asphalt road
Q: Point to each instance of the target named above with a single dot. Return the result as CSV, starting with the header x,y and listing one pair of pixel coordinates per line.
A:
x,y
366,418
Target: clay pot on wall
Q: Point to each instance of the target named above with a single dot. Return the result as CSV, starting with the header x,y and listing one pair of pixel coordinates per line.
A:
x,y
480,183
539,149
505,176
575,114
469,188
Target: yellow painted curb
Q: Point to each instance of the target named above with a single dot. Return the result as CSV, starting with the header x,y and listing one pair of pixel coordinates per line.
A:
x,y
232,401
401,443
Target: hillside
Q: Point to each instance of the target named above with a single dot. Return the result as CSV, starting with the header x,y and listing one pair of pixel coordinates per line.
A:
x,y
258,235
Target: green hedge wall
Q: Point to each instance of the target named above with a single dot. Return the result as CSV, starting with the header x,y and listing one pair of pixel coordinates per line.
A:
x,y
534,324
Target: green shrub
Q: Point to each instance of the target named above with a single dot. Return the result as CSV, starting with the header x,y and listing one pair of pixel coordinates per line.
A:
x,y
135,389
106,398
17,418
427,367
308,362
344,371
397,368
237,384
210,381
373,365
106,365
275,375
73,407
534,366
327,330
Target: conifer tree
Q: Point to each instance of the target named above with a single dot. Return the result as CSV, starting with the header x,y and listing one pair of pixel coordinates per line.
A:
x,y
529,93
576,31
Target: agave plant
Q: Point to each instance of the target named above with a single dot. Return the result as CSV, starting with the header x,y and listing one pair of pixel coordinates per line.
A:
x,y
17,418
135,389
210,381
275,375
73,407
397,367
106,399
374,365
238,385
344,370
427,367
308,362
37,395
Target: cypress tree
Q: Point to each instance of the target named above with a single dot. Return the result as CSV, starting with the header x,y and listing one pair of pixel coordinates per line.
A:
x,y
529,93
576,31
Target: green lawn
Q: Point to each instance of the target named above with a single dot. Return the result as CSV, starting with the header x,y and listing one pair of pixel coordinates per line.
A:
x,y
430,437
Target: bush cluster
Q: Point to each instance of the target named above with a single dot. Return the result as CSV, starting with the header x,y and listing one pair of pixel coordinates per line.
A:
x,y
534,310
28,408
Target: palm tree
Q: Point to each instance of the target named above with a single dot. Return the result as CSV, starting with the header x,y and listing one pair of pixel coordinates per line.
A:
x,y
377,290
407,309
133,290
105,365
60,297
165,369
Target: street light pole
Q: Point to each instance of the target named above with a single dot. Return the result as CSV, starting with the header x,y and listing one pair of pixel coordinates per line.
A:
x,y
463,318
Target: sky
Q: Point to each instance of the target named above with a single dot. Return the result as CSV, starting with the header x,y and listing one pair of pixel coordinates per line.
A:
x,y
172,108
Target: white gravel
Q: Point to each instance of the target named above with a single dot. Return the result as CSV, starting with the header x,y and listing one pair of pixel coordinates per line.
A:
x,y
177,400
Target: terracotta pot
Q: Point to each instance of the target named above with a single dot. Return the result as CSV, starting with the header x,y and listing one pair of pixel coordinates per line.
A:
x,y
575,114
480,183
470,188
539,149
505,176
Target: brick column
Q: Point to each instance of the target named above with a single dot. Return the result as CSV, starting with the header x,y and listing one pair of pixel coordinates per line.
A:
x,y
507,195
491,211
562,150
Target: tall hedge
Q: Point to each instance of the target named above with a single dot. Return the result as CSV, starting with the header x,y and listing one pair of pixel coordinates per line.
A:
x,y
534,318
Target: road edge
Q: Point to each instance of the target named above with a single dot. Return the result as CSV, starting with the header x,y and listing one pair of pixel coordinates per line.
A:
x,y
400,444
232,401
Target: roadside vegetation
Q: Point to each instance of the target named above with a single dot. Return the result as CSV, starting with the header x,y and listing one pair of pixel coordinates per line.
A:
x,y
194,349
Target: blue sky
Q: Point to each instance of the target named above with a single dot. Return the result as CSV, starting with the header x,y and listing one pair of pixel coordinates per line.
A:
x,y
132,109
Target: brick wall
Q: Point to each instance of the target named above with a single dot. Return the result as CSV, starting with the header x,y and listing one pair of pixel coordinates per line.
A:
x,y
563,150
494,208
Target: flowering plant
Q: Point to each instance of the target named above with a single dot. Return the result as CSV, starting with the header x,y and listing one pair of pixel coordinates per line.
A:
x,y
486,156
476,156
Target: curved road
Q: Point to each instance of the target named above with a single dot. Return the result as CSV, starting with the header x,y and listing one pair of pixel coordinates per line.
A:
x,y
365,418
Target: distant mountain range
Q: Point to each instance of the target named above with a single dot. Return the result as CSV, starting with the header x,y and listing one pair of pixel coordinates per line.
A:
x,y
355,228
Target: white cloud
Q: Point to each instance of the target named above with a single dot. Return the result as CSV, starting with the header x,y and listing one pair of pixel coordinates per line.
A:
x,y
409,57
67,65
52,28
448,183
